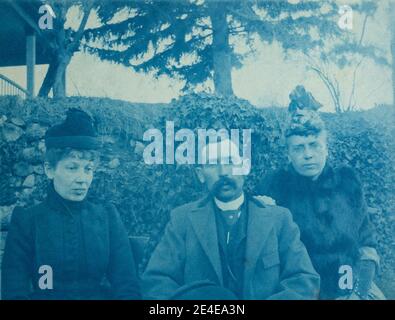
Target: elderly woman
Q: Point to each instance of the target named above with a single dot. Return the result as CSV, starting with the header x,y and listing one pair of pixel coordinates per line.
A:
x,y
68,247
328,205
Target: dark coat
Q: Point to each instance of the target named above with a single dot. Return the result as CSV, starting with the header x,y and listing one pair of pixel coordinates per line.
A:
x,y
276,265
332,217
84,243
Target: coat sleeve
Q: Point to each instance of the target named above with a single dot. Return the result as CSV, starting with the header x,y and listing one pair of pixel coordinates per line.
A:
x,y
298,278
17,262
367,238
352,186
164,273
122,271
367,234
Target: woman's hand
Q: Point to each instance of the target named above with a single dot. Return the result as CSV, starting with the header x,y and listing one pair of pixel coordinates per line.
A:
x,y
265,200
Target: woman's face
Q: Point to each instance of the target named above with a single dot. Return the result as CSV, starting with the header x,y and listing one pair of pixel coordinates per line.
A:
x,y
308,154
72,176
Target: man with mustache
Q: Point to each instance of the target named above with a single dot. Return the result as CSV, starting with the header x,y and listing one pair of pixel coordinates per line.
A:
x,y
228,245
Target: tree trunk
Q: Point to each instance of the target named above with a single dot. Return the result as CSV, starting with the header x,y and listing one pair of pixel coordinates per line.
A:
x,y
59,86
222,65
49,79
55,78
392,26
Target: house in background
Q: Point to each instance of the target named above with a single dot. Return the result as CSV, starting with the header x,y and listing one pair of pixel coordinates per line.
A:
x,y
21,44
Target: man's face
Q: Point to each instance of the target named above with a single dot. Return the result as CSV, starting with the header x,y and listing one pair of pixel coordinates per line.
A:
x,y
220,181
308,154
72,177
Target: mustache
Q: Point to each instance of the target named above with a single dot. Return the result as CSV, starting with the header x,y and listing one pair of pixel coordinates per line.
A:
x,y
224,181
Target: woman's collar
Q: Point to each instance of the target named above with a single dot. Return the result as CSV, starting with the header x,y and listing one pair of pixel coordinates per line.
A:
x,y
56,201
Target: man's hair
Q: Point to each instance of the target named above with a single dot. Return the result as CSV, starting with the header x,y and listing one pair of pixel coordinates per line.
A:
x,y
54,155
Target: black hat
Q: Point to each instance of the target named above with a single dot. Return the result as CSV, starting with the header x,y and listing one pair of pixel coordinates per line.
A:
x,y
304,117
303,100
305,122
75,132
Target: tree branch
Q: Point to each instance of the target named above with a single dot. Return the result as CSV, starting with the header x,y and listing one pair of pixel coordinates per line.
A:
x,y
78,35
330,86
237,30
247,14
170,47
352,94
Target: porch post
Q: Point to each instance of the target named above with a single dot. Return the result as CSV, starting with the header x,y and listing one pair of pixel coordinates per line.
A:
x,y
30,61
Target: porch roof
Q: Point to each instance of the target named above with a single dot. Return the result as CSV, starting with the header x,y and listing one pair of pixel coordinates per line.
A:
x,y
14,28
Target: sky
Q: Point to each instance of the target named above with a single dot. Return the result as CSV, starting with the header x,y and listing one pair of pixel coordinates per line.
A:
x,y
265,79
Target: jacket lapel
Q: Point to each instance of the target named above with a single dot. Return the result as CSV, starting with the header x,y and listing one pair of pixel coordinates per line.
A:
x,y
204,224
259,228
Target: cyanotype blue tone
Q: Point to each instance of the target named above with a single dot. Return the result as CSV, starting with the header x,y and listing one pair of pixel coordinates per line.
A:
x,y
231,179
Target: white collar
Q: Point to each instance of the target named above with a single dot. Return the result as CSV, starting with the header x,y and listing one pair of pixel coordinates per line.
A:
x,y
231,205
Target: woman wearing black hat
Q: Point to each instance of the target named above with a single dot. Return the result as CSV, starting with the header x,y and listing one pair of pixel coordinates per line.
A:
x,y
328,205
67,247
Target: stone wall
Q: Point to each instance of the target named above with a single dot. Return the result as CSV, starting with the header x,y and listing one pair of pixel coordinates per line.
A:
x,y
23,124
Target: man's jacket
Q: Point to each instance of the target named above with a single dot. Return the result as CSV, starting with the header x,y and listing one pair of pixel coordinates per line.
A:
x,y
276,266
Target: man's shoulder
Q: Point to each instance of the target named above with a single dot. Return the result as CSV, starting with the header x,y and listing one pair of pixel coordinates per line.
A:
x,y
274,217
179,215
274,212
190,206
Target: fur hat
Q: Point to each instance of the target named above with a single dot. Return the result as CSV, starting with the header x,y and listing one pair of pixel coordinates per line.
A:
x,y
304,118
76,132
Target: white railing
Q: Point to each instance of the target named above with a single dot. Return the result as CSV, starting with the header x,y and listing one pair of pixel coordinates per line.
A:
x,y
11,88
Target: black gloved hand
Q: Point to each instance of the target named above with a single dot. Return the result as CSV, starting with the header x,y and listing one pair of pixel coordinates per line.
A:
x,y
366,274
